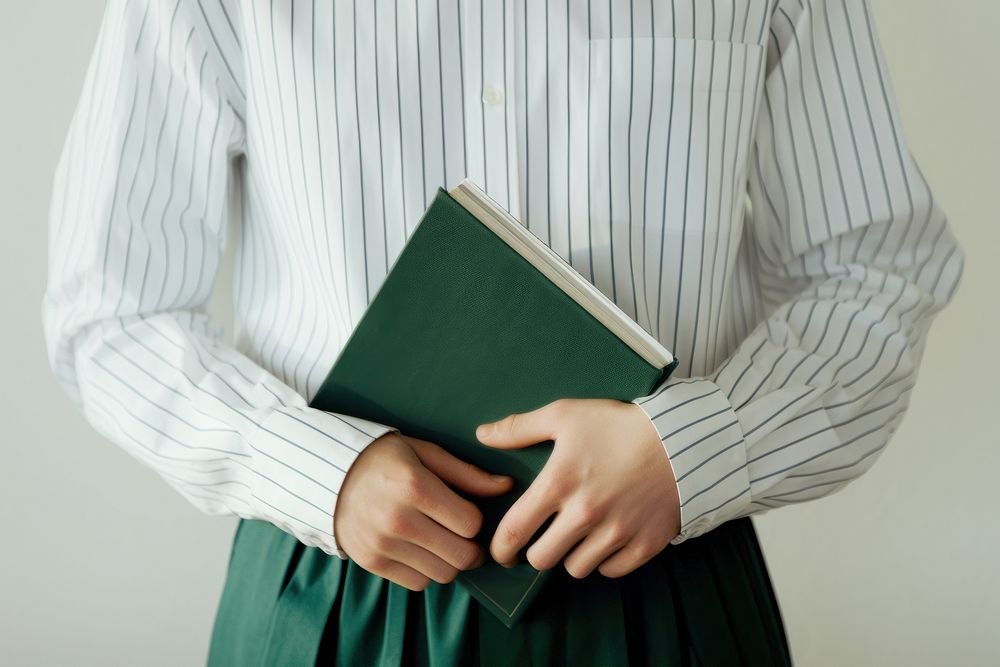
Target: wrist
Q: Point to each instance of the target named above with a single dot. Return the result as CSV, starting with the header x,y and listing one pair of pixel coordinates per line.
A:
x,y
703,438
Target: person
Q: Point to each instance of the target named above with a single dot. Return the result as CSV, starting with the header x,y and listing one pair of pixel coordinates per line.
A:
x,y
733,175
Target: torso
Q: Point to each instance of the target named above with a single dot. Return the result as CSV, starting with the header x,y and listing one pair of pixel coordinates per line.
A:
x,y
621,140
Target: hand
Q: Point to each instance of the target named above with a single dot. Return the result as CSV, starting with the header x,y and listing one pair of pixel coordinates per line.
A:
x,y
608,478
398,519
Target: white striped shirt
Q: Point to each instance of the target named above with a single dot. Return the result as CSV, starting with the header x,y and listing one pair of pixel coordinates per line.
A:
x,y
632,137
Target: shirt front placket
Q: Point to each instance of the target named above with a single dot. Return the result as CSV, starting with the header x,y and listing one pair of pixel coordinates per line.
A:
x,y
491,99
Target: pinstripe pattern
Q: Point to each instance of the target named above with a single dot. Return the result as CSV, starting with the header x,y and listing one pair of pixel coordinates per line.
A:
x,y
632,137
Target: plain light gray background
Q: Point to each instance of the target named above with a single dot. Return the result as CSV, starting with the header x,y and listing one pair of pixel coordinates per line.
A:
x,y
103,564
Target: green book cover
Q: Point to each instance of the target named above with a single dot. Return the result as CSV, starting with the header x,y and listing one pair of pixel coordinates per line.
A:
x,y
466,330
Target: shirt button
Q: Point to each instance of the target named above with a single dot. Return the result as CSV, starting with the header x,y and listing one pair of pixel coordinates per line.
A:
x,y
492,95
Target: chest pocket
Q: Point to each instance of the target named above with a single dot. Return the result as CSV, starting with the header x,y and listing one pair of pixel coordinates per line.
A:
x,y
670,125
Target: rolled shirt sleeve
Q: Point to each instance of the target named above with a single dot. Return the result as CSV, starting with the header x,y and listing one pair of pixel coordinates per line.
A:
x,y
137,227
854,258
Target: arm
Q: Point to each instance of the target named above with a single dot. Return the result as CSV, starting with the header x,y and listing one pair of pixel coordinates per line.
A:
x,y
137,227
854,258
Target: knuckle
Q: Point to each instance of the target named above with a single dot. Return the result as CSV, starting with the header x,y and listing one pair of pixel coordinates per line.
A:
x,y
589,511
381,541
405,529
551,485
401,474
508,424
412,487
374,562
546,484
510,534
396,521
618,534
560,407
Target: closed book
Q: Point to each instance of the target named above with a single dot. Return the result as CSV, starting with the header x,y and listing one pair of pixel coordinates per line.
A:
x,y
476,319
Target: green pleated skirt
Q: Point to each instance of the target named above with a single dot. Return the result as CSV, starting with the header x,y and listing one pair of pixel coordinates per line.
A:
x,y
707,601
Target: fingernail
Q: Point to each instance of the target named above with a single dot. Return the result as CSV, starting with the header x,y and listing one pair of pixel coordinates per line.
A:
x,y
499,478
482,430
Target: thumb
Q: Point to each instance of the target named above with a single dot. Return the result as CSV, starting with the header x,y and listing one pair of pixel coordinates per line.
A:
x,y
521,429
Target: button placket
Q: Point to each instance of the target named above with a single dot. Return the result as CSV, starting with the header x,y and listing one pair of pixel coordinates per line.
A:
x,y
488,43
506,104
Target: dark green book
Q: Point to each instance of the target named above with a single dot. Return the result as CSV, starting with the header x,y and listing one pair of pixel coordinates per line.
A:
x,y
476,319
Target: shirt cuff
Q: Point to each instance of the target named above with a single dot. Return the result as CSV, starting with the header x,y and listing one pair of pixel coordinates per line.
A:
x,y
704,441
299,459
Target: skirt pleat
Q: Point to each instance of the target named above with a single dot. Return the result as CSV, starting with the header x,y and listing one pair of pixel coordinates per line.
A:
x,y
707,601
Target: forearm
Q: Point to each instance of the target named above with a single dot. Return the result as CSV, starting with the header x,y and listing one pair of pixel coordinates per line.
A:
x,y
137,228
850,256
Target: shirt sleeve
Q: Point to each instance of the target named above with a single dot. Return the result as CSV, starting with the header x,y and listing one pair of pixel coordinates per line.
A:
x,y
853,257
136,231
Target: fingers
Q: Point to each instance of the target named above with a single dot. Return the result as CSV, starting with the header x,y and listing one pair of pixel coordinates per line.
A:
x,y
625,560
406,560
408,546
563,534
460,553
602,544
523,519
422,560
428,494
524,428
404,575
458,473
641,549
